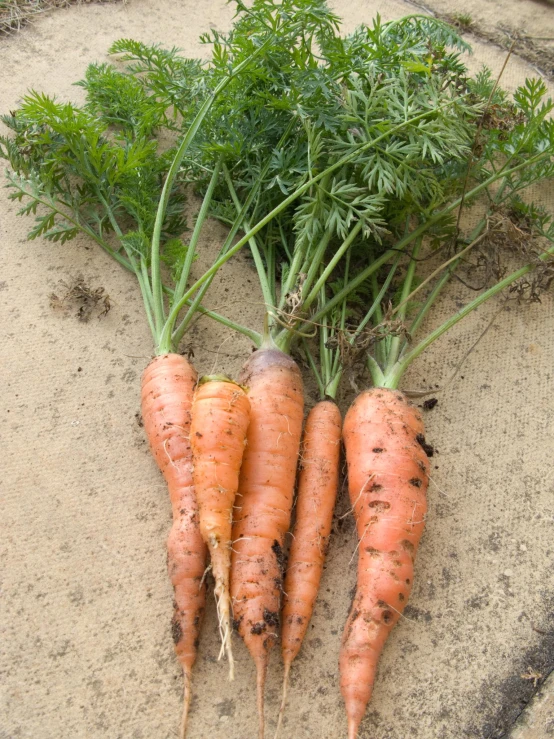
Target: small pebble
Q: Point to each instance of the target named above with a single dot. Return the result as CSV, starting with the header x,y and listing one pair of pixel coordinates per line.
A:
x,y
508,573
522,548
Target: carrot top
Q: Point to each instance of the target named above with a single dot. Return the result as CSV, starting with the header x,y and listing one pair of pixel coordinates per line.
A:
x,y
312,146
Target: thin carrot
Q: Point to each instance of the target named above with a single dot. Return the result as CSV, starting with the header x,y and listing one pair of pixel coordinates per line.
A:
x,y
388,474
317,492
264,502
167,390
220,416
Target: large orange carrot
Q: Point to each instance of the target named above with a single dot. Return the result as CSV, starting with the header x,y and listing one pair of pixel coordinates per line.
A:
x,y
264,502
317,492
167,389
220,416
387,478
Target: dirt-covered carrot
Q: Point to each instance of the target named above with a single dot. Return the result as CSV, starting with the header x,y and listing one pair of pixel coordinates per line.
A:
x,y
264,502
220,416
316,496
387,478
167,390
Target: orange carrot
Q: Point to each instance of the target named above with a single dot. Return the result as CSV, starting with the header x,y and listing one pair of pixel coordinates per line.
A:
x,y
317,492
264,502
167,389
388,474
220,415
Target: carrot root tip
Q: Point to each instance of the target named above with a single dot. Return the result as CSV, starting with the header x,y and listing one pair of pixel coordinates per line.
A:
x,y
353,728
223,602
283,701
261,669
186,703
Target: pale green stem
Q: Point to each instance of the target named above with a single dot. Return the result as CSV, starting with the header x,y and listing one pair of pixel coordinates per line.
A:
x,y
380,343
194,304
376,305
377,376
255,337
313,367
200,218
394,349
253,244
324,352
300,191
374,266
426,307
284,241
294,268
332,387
337,256
394,376
313,262
144,290
168,185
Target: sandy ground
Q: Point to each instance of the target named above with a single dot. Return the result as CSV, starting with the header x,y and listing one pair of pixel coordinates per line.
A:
x,y
85,640
525,24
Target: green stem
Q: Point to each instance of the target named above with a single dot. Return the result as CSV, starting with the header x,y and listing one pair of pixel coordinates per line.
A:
x,y
302,189
332,387
255,337
426,307
380,344
337,256
313,367
200,218
377,376
401,245
394,349
144,286
195,304
313,262
378,299
168,185
394,376
262,275
82,227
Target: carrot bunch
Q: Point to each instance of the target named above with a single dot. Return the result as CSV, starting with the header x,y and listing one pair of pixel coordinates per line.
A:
x,y
344,165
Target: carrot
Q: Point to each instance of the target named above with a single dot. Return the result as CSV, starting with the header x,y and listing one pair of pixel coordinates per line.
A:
x,y
167,389
387,477
264,502
220,415
317,492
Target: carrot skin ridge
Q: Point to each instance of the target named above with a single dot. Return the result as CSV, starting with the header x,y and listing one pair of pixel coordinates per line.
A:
x,y
166,399
220,417
388,476
264,502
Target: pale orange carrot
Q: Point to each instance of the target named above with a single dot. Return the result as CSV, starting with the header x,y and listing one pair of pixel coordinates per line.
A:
x,y
220,416
264,502
167,389
388,475
317,492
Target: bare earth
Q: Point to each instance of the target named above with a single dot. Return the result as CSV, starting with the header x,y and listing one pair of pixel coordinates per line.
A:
x,y
85,642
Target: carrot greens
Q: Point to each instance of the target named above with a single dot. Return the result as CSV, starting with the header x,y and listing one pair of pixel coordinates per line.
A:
x,y
313,147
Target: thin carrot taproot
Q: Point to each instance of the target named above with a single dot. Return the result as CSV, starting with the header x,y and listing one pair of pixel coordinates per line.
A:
x,y
220,416
166,400
317,492
264,503
388,474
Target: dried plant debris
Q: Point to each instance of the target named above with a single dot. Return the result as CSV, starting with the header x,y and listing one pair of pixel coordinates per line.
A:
x,y
77,294
14,14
